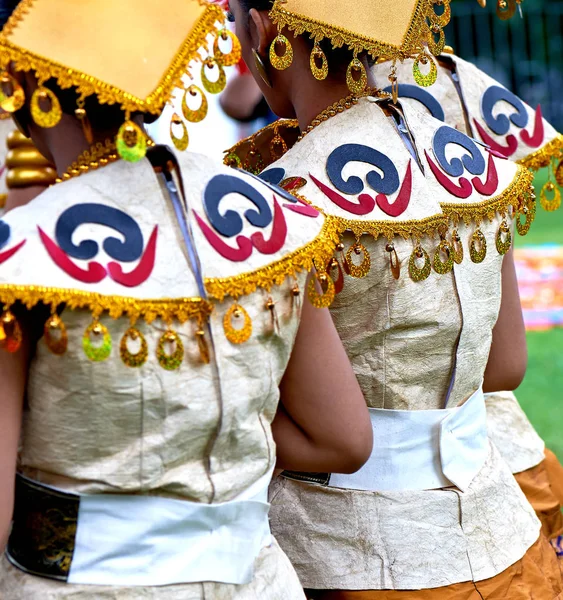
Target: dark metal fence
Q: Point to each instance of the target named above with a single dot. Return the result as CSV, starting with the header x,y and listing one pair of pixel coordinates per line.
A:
x,y
525,54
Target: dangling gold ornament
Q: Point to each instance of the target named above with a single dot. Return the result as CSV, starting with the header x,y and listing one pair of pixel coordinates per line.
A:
x,y
503,245
326,297
10,333
12,96
283,61
183,141
101,352
478,246
202,345
428,79
529,212
361,270
443,266
550,204
230,58
419,273
457,247
167,361
45,118
139,358
57,343
82,116
356,77
317,55
559,174
195,116
506,9
394,262
278,146
237,335
213,87
131,141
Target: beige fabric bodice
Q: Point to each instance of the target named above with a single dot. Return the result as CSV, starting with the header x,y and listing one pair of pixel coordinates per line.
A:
x,y
408,341
194,433
509,428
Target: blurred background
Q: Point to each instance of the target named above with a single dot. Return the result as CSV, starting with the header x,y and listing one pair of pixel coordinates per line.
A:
x,y
526,55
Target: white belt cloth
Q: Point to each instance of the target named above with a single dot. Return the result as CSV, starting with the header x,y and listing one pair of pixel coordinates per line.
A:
x,y
423,449
126,540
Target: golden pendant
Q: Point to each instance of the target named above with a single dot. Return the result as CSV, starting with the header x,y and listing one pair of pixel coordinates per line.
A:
x,y
131,142
478,247
197,115
12,96
283,61
419,273
10,333
317,55
183,141
529,213
167,361
550,204
503,246
457,246
237,335
443,266
559,174
202,345
326,297
213,87
139,358
231,58
51,117
362,269
430,77
57,344
356,85
278,147
394,262
102,351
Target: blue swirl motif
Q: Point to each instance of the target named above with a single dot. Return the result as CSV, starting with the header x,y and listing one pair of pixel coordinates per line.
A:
x,y
274,175
231,224
128,250
5,233
339,158
425,98
501,123
474,162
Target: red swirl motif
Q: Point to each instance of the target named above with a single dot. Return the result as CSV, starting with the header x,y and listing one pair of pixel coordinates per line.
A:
x,y
535,139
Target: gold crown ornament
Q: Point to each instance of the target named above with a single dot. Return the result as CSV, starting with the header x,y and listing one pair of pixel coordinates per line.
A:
x,y
385,30
140,55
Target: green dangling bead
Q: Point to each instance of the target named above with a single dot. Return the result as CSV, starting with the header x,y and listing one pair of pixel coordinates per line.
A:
x,y
131,141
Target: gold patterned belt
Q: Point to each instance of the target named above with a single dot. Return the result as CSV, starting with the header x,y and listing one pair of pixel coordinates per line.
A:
x,y
44,529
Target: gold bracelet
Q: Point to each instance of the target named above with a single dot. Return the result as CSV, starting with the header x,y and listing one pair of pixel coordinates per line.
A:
x,y
26,157
26,165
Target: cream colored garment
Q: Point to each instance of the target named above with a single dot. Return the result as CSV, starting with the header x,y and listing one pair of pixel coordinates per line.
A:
x,y
512,433
401,338
275,580
107,428
509,428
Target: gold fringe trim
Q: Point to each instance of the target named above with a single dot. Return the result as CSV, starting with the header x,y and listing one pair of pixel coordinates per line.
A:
x,y
166,309
412,43
516,195
316,253
86,85
543,157
4,116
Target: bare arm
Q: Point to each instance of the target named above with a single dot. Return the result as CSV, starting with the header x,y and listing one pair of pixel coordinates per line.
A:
x,y
322,424
13,375
509,356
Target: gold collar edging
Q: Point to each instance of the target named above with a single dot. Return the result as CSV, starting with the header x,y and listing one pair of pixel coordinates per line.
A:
x,y
553,150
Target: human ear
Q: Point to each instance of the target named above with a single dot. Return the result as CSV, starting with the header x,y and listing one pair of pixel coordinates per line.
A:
x,y
262,31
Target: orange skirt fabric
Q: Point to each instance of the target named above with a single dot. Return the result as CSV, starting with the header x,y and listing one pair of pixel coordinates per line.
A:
x,y
542,486
539,574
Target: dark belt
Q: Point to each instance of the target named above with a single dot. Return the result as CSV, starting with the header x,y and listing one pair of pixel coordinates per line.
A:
x,y
43,531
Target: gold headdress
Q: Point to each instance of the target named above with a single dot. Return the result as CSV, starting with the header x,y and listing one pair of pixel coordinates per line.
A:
x,y
127,52
385,30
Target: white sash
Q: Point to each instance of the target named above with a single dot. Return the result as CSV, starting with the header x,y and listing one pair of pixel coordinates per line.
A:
x,y
423,449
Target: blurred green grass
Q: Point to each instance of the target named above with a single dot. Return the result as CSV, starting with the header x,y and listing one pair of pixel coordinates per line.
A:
x,y
541,393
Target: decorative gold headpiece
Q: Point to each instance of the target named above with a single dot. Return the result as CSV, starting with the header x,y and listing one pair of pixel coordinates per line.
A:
x,y
136,56
385,30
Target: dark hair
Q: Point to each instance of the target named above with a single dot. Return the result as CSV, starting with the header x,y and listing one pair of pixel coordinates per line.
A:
x,y
7,7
